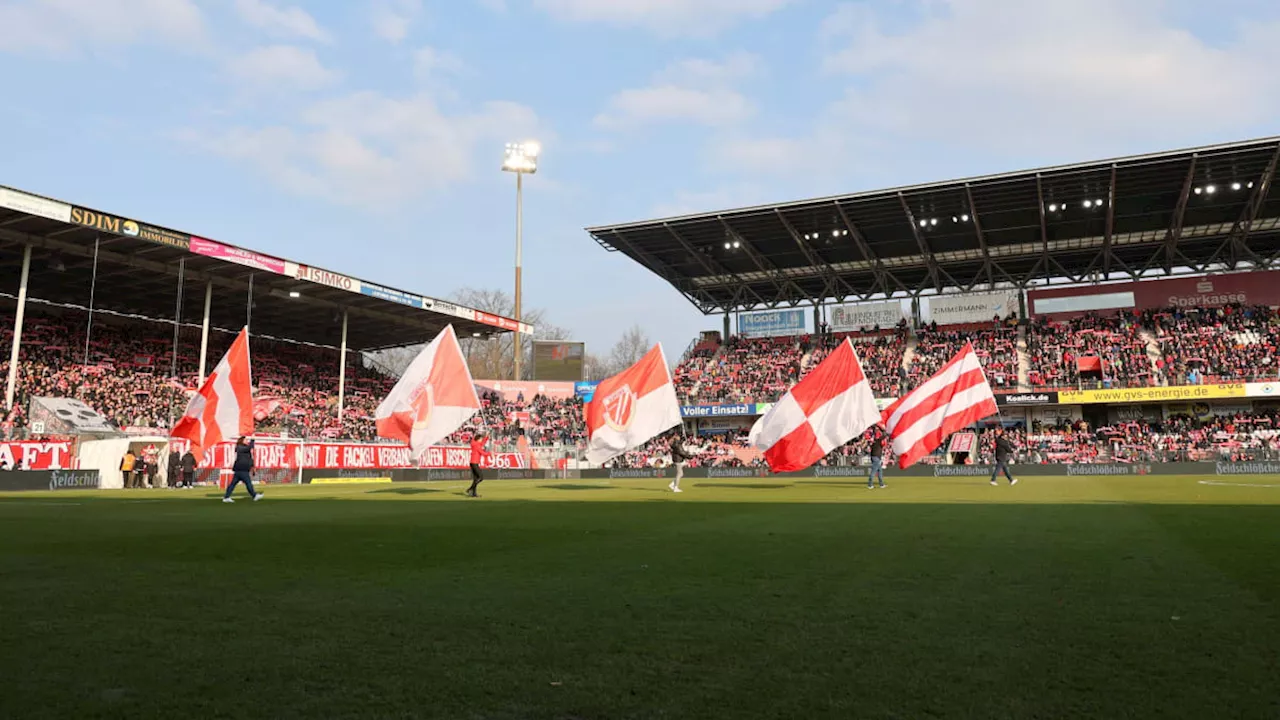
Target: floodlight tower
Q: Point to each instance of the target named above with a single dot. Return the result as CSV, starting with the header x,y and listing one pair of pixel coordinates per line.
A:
x,y
521,159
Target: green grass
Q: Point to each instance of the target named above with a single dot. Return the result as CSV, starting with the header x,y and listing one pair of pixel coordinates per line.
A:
x,y
1061,597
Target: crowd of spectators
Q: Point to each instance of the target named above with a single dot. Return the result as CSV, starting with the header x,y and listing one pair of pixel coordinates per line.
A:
x,y
126,373
995,343
1057,351
1217,344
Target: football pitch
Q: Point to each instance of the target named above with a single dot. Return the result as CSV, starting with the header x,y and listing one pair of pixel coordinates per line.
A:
x,y
1099,597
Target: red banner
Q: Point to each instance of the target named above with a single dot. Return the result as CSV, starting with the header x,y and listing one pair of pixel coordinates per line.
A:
x,y
270,455
1205,291
37,455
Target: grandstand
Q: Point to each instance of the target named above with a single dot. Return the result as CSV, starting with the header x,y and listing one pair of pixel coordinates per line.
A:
x,y
1136,274
128,315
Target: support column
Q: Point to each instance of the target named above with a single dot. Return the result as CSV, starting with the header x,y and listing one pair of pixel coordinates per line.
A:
x,y
17,329
817,318
1022,306
342,369
248,307
519,349
93,293
204,331
725,336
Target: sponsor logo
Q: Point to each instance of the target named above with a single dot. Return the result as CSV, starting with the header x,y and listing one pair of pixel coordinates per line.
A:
x,y
349,480
104,222
777,322
1247,468
390,295
961,470
1027,398
637,473
1208,300
515,475
73,479
735,472
835,472
1155,394
447,308
324,277
619,408
435,474
160,236
1112,469
32,205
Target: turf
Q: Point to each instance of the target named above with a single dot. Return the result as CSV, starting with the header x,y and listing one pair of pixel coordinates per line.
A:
x,y
1061,597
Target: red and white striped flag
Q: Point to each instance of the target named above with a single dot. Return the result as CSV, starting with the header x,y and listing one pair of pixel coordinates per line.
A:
x,y
631,408
832,405
952,400
432,399
222,409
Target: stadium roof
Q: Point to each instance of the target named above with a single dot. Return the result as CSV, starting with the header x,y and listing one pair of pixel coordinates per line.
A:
x,y
1168,213
138,266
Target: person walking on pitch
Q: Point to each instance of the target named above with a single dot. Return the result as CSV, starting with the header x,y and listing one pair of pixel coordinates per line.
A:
x,y
877,458
1004,451
679,457
477,457
242,470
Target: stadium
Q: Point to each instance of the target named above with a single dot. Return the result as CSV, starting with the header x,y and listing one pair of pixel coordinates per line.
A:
x,y
1124,312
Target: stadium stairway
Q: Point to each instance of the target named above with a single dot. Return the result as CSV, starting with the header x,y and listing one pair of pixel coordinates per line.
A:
x,y
1153,352
1024,360
909,355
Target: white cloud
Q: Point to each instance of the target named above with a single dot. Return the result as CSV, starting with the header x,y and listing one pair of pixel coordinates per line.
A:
x,y
392,18
668,17
429,62
372,151
68,26
288,22
1076,77
696,90
280,68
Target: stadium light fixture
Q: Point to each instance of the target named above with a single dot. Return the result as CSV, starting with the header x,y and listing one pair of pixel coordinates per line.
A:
x,y
295,294
934,221
1250,185
737,244
1097,203
964,218
1088,203
1199,190
521,159
1235,186
955,218
1211,189
924,223
1053,207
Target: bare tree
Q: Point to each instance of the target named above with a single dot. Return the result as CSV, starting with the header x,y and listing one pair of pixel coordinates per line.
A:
x,y
632,346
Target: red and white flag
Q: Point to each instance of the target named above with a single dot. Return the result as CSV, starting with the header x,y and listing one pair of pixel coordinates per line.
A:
x,y
832,405
222,409
631,408
433,397
957,397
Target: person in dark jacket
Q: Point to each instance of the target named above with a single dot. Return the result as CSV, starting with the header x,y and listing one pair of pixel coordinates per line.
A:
x,y
188,464
173,470
1004,452
242,469
680,456
877,458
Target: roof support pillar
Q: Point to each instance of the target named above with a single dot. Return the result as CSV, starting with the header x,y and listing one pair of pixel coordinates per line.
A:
x,y
342,370
204,330
93,292
11,387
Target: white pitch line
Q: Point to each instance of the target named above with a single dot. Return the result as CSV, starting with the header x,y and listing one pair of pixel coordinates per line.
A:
x,y
1259,485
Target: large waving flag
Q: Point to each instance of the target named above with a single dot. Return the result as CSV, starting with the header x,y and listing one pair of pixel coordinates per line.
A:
x,y
631,408
433,398
957,397
222,409
832,405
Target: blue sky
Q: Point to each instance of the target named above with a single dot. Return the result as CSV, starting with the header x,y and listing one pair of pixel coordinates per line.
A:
x,y
366,137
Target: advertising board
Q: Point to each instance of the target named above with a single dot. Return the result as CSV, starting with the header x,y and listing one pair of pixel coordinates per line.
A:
x,y
1258,287
975,308
771,323
845,318
33,205
1152,394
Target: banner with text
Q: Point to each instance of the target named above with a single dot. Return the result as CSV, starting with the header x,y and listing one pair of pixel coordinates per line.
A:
x,y
36,455
977,308
248,258
703,411
32,205
1153,394
845,318
771,323
338,456
1258,287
